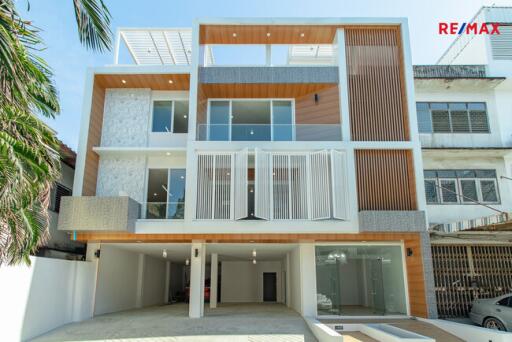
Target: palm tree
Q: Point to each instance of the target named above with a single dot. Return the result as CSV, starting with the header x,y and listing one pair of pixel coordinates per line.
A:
x,y
29,150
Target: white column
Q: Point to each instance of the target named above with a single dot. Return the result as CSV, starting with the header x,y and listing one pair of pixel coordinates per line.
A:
x,y
167,281
288,298
140,282
197,266
308,279
343,85
214,267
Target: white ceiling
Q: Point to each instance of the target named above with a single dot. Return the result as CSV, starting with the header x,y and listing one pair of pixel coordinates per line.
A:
x,y
179,252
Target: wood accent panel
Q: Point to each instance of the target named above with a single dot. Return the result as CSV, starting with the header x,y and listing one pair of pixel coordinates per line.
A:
x,y
385,180
463,273
377,100
93,139
153,81
202,106
265,90
326,111
413,263
279,34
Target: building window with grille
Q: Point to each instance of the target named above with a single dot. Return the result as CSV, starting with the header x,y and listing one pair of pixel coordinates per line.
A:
x,y
452,117
58,190
461,186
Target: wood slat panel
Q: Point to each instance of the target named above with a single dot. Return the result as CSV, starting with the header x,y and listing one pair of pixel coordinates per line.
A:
x,y
93,139
463,273
152,81
385,180
378,108
326,111
264,90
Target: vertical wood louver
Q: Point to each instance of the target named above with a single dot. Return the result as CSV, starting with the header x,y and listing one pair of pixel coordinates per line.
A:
x,y
385,180
376,87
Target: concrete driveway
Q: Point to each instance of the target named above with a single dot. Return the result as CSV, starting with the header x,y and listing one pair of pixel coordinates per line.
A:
x,y
170,323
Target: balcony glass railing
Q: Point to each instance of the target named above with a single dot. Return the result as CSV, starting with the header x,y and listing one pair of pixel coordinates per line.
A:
x,y
264,132
164,210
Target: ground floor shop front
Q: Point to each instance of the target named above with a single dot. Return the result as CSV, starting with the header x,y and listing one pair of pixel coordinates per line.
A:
x,y
328,275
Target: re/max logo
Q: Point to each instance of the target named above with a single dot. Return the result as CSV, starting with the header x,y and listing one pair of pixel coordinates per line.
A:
x,y
471,28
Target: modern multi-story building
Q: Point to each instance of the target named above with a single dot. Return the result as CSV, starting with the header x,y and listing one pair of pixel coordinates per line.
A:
x,y
256,160
464,108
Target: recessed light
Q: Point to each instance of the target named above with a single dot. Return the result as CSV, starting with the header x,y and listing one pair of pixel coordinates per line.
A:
x,y
154,194
182,177
167,153
302,34
171,81
139,241
254,261
234,34
185,116
123,81
268,34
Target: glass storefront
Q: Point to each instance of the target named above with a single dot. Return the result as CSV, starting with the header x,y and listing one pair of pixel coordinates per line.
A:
x,y
357,280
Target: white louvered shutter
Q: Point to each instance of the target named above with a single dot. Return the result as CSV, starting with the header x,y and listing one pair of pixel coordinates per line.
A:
x,y
262,184
319,185
339,185
240,188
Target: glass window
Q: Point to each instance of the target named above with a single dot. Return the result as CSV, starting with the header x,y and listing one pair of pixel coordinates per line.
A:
x,y
431,190
507,301
176,202
478,118
424,119
162,116
219,121
360,280
468,189
157,194
250,121
459,117
440,120
282,120
180,122
489,192
449,190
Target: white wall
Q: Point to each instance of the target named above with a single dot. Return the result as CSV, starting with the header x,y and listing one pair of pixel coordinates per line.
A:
x,y
492,139
50,293
127,280
153,284
117,280
242,281
448,213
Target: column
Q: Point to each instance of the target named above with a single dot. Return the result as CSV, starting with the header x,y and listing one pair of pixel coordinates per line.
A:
x,y
213,280
167,281
197,267
308,279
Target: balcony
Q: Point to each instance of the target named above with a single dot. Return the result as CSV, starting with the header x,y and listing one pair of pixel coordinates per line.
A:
x,y
265,132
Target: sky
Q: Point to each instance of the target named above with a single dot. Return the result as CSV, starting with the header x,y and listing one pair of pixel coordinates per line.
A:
x,y
69,60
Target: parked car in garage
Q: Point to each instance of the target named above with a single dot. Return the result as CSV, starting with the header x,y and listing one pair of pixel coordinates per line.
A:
x,y
494,313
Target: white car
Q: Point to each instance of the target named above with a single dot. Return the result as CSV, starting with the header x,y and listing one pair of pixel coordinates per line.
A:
x,y
494,313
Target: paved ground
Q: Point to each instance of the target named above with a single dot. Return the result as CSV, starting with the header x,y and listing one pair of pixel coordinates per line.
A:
x,y
170,323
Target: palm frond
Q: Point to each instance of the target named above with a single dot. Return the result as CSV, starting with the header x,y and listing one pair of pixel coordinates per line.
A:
x,y
93,20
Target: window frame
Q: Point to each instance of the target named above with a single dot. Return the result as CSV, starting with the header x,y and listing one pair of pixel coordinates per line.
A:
x,y
449,110
171,96
230,114
458,187
169,170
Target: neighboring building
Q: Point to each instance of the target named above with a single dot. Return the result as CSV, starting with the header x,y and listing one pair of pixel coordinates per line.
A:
x,y
464,108
59,244
298,180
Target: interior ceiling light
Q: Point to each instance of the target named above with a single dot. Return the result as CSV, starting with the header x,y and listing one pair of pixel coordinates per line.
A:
x,y
254,253
187,262
123,81
254,261
155,194
164,253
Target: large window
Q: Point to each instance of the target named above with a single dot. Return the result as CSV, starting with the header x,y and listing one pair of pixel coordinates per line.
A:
x,y
356,280
170,116
250,120
461,186
452,117
166,194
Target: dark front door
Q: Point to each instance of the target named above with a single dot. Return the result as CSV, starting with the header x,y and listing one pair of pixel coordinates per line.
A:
x,y
269,287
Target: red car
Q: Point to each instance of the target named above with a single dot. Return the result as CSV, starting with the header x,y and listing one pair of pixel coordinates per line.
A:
x,y
206,291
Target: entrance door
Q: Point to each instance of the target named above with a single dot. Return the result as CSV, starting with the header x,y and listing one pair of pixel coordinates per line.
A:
x,y
269,287
377,286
